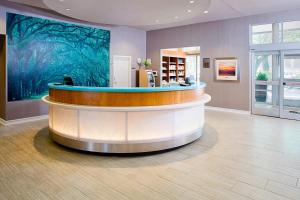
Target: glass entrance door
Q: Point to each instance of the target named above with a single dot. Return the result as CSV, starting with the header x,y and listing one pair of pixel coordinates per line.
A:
x,y
266,83
276,84
290,78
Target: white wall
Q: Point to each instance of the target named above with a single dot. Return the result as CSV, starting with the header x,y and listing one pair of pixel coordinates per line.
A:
x,y
2,20
126,42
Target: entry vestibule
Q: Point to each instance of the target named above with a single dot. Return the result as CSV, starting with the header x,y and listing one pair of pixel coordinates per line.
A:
x,y
276,83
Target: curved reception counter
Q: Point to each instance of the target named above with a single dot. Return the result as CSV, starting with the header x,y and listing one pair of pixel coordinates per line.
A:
x,y
125,120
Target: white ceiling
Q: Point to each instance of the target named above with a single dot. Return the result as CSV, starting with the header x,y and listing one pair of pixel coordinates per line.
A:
x,y
130,12
157,14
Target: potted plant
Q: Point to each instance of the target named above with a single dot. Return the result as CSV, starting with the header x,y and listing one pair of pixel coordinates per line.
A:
x,y
147,63
261,90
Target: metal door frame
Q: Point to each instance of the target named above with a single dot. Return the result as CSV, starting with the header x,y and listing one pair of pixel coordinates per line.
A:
x,y
281,83
262,111
283,113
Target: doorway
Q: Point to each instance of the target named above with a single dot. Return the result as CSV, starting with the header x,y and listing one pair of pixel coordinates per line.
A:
x,y
276,83
179,64
121,71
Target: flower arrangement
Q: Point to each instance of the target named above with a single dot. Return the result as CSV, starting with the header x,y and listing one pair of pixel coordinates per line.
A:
x,y
139,62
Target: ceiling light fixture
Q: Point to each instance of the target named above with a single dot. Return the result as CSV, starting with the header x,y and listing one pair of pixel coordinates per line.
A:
x,y
189,11
176,17
205,12
157,21
68,9
192,1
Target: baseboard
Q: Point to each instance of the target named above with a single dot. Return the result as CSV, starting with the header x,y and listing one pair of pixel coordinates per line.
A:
x,y
23,120
228,110
2,121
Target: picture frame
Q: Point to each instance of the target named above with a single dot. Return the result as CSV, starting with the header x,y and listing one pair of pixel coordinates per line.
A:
x,y
206,63
226,69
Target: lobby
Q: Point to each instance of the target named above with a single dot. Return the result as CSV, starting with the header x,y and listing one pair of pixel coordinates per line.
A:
x,y
155,99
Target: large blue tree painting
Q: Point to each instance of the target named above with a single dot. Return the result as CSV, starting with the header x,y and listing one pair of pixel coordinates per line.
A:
x,y
41,51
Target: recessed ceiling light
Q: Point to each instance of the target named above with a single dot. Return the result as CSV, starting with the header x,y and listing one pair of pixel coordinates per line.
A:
x,y
189,11
192,1
61,0
68,9
176,17
205,12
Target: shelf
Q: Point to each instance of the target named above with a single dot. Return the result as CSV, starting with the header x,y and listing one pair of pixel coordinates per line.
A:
x,y
176,69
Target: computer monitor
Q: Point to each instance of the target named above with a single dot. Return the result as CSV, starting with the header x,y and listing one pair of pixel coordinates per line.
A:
x,y
68,80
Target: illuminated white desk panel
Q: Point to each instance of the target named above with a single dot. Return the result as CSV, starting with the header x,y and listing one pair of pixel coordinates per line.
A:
x,y
130,129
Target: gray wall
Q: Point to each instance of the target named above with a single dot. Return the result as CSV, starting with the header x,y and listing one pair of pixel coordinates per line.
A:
x,y
129,42
125,41
227,38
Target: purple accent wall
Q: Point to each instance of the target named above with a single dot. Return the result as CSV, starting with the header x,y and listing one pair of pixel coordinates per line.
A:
x,y
227,38
2,76
25,109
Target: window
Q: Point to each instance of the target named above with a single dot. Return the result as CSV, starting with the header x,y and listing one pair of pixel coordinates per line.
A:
x,y
292,67
285,32
263,66
262,34
291,31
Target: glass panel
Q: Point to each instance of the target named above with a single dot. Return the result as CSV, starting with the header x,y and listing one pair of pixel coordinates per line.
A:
x,y
266,94
291,31
263,67
262,34
198,69
292,66
291,88
262,92
266,99
191,67
291,99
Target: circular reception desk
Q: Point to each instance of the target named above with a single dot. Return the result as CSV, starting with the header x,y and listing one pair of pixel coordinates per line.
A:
x,y
125,120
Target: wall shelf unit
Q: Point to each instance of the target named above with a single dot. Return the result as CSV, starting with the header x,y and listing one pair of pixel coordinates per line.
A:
x,y
173,69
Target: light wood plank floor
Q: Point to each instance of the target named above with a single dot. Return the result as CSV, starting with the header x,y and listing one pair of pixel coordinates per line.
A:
x,y
239,157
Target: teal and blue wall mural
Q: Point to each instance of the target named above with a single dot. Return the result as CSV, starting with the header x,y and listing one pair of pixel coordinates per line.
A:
x,y
41,51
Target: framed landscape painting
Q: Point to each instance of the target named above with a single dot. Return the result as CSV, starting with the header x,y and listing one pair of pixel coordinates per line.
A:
x,y
226,69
